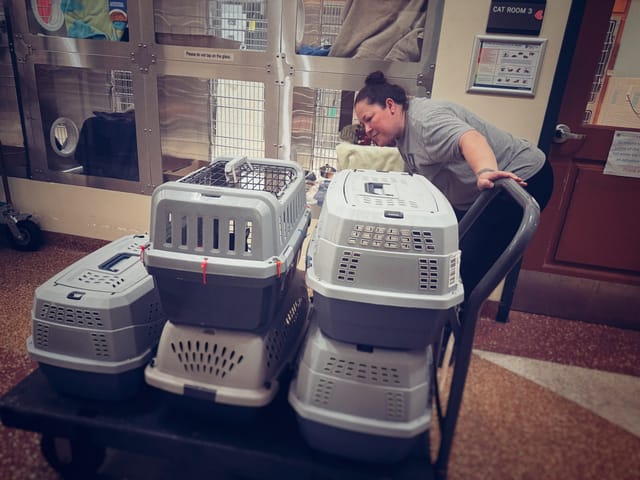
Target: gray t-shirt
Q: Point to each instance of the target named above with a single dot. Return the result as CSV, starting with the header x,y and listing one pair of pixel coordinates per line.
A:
x,y
430,147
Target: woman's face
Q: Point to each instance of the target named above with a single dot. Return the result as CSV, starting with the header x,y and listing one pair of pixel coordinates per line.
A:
x,y
382,125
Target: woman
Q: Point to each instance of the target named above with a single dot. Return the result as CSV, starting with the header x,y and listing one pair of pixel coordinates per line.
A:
x,y
461,154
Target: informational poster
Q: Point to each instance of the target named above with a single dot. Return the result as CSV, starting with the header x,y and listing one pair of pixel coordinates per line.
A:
x,y
508,65
624,155
620,105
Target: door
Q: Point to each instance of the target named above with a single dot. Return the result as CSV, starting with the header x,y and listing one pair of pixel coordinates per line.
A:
x,y
584,262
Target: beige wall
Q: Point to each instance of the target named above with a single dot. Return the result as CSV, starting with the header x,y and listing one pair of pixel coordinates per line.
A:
x,y
82,211
462,21
108,215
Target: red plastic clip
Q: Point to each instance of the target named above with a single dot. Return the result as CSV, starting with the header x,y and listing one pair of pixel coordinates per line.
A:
x,y
279,267
142,249
204,270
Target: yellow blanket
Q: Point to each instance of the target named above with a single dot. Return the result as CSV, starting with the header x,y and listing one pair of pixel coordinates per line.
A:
x,y
368,157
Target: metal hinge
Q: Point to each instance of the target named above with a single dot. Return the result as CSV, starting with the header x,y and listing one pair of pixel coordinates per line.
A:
x,y
425,79
280,68
22,49
143,57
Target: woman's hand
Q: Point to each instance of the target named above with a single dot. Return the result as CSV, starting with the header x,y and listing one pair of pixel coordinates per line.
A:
x,y
487,178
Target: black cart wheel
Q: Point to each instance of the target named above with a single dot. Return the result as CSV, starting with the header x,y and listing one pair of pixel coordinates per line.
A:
x,y
73,459
31,236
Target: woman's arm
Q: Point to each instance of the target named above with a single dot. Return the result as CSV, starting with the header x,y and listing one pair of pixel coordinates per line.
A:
x,y
482,160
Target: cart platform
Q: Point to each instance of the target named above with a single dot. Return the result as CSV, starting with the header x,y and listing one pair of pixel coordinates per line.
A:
x,y
267,446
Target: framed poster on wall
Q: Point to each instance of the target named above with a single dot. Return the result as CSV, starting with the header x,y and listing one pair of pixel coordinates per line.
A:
x,y
505,65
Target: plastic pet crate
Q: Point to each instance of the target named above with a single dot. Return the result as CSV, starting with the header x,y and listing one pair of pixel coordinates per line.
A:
x,y
383,261
96,323
226,239
371,404
230,367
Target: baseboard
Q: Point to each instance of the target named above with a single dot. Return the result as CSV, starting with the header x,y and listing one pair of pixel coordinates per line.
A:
x,y
613,304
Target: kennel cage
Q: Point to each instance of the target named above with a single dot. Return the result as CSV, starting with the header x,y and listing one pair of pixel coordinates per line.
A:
x,y
96,324
383,261
226,239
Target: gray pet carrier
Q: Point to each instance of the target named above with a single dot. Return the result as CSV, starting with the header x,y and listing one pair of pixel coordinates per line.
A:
x,y
383,261
371,404
222,367
96,323
225,241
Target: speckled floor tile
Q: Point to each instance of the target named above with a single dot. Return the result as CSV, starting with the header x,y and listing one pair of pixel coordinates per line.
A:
x,y
558,340
613,396
512,428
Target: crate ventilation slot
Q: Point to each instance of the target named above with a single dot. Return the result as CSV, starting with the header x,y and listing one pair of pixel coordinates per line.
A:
x,y
207,359
388,202
381,237
100,345
70,316
323,391
155,312
395,405
94,279
359,371
454,270
41,335
423,240
277,340
133,248
154,330
348,266
209,234
428,272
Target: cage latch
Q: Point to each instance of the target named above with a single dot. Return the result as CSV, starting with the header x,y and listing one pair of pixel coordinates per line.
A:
x,y
278,267
204,270
142,249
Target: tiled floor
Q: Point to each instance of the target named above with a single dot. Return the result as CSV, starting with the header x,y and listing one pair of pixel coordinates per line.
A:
x,y
545,397
613,396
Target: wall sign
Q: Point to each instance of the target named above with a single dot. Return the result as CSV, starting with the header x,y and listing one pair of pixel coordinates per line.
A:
x,y
624,155
524,18
506,65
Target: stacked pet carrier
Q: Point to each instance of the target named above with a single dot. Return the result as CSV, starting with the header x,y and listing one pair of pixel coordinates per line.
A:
x,y
383,264
225,243
96,324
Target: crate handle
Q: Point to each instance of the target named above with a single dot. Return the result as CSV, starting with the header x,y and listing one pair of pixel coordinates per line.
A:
x,y
110,264
234,164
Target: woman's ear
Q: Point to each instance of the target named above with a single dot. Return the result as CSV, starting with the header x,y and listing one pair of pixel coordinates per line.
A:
x,y
389,103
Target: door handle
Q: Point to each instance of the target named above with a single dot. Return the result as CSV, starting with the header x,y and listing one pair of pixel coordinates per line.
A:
x,y
563,133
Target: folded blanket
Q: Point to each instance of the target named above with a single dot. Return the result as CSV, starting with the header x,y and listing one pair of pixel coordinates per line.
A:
x,y
94,19
381,30
369,157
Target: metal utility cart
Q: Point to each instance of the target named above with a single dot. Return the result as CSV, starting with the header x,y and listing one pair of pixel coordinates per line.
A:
x,y
268,446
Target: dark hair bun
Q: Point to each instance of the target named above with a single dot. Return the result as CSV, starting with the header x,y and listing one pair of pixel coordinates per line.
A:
x,y
375,78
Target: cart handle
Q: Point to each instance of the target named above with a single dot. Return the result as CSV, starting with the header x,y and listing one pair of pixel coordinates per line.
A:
x,y
509,258
515,249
